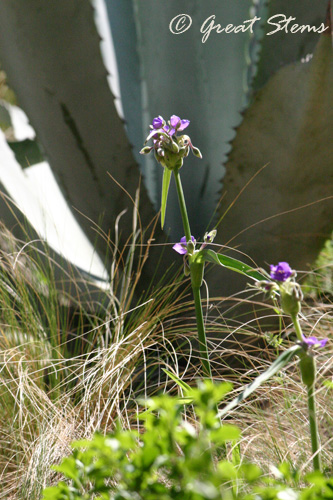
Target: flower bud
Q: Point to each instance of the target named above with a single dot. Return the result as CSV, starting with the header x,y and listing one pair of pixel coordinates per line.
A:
x,y
174,147
291,297
191,246
307,365
297,292
266,286
209,237
290,304
196,152
187,271
146,150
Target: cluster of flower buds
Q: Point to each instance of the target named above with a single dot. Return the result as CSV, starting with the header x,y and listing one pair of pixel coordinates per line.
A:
x,y
284,282
169,148
291,296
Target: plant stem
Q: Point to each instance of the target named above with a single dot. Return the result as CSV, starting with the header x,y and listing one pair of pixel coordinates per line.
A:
x,y
182,206
201,333
308,370
196,289
313,428
297,326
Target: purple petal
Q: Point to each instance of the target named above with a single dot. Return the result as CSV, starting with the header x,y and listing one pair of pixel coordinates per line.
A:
x,y
281,272
184,124
177,124
313,341
181,246
174,120
158,122
181,249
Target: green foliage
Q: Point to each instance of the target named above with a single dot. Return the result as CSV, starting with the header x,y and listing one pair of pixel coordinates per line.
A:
x,y
272,370
320,282
232,264
175,458
165,190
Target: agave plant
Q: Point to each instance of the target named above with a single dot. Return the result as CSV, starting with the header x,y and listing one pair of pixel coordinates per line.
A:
x,y
90,125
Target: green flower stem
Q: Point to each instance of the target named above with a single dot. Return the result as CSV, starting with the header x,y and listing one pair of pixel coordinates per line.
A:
x,y
308,371
313,428
182,205
297,326
201,333
196,289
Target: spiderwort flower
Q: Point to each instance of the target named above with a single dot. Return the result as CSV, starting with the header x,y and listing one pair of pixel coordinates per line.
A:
x,y
291,294
281,272
313,341
181,247
178,125
158,122
169,148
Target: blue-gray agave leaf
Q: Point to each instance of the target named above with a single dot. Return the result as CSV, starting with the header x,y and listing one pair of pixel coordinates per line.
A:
x,y
286,212
202,82
292,47
51,54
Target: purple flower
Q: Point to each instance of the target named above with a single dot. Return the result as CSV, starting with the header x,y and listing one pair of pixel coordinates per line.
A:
x,y
177,125
158,122
281,272
169,148
314,342
181,247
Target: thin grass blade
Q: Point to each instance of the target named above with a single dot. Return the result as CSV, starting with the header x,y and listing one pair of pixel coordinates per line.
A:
x,y
183,385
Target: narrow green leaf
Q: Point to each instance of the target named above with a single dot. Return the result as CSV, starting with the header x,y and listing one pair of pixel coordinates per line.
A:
x,y
165,190
178,381
232,264
278,364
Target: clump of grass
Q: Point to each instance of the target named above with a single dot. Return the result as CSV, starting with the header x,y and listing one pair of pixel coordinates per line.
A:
x,y
275,422
73,361
68,366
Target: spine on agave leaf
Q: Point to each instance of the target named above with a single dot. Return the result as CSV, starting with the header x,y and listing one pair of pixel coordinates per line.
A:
x,y
292,46
259,8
